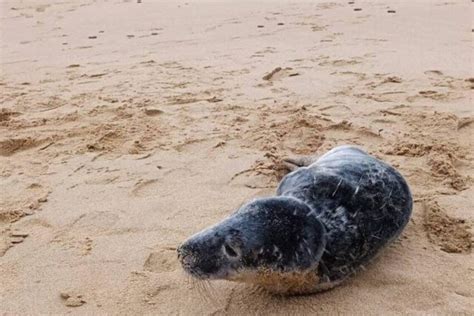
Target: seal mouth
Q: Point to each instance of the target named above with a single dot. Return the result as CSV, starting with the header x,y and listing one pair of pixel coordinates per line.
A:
x,y
188,262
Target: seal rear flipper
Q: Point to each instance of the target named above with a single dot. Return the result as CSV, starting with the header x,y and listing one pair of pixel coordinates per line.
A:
x,y
293,163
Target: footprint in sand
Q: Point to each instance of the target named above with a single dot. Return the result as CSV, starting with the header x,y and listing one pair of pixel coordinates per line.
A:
x,y
152,112
340,62
434,72
11,146
7,115
144,188
349,132
93,222
471,82
72,298
465,122
163,260
9,239
452,235
279,73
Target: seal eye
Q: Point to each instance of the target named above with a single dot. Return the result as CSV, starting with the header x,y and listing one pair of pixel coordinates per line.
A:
x,y
230,252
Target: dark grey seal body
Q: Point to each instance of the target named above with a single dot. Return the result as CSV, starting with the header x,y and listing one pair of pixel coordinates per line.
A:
x,y
327,220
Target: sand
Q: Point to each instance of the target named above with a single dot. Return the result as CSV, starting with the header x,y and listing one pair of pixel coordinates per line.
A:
x,y
125,127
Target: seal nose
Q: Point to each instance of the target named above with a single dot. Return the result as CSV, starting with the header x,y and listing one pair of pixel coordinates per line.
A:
x,y
187,255
180,252
183,252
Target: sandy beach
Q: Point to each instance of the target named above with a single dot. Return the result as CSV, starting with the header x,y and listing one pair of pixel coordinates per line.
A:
x,y
126,126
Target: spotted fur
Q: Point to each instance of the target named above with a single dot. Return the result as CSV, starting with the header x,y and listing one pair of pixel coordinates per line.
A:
x,y
326,221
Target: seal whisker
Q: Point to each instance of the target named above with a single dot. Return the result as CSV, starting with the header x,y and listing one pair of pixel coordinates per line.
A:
x,y
202,290
210,292
337,187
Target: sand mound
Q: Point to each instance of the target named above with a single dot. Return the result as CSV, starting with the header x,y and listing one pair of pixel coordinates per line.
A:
x,y
11,146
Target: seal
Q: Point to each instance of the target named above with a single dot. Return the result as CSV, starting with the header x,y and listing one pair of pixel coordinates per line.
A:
x,y
328,219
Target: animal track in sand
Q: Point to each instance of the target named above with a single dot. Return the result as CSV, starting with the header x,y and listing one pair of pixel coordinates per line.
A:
x,y
339,62
300,134
264,173
279,73
11,216
442,153
102,179
189,98
152,289
76,235
6,115
338,108
152,112
431,94
11,146
411,149
91,223
465,122
434,72
51,104
353,132
15,205
9,238
72,298
470,81
163,260
452,235
442,166
145,188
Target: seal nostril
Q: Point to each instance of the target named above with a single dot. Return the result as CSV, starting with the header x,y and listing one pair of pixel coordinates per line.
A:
x,y
230,251
182,252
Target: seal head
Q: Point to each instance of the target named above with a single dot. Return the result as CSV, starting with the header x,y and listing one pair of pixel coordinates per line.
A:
x,y
267,241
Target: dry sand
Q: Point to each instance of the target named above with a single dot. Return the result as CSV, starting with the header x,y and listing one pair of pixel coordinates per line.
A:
x,y
125,127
